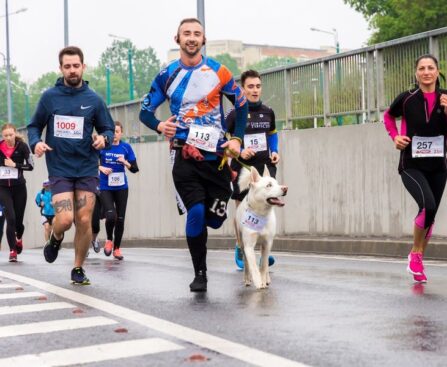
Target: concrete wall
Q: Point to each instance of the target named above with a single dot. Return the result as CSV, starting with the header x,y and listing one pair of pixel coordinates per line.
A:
x,y
342,181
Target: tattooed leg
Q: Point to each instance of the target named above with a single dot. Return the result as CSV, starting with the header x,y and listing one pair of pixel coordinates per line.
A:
x,y
63,208
84,204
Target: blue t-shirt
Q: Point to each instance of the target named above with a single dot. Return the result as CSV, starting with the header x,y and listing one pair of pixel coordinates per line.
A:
x,y
117,180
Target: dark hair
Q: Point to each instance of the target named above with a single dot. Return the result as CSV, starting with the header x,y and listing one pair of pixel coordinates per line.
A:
x,y
249,74
435,60
187,20
71,50
117,123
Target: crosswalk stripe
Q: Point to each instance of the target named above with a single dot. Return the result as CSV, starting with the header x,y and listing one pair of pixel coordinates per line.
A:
x,y
232,349
37,307
55,325
5,286
91,354
20,295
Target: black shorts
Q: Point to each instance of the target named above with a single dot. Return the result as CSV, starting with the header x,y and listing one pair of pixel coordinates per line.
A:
x,y
72,184
202,182
235,166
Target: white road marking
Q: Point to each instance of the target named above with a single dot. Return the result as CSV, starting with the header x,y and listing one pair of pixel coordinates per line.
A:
x,y
231,349
20,295
7,286
55,325
91,354
38,307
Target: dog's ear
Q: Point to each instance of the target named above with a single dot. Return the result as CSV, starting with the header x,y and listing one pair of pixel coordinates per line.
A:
x,y
255,176
266,172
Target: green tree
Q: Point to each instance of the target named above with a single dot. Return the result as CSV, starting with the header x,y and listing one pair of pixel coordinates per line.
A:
x,y
145,65
229,61
391,19
271,62
118,86
18,90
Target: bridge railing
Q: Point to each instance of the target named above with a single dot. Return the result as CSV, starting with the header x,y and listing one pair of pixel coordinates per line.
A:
x,y
348,88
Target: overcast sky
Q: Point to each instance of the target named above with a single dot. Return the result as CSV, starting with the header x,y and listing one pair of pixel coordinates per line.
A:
x,y
37,35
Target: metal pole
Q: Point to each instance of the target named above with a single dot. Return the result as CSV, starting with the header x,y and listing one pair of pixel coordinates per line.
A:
x,y
315,103
129,58
108,91
337,51
8,67
65,23
27,114
201,17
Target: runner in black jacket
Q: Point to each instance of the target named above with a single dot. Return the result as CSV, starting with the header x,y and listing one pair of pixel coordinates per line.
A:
x,y
422,142
15,157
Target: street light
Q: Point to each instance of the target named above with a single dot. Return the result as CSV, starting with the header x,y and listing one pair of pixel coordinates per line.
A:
x,y
8,65
129,61
314,82
334,33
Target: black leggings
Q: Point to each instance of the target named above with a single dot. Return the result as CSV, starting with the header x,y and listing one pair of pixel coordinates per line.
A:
x,y
427,189
114,203
96,216
13,200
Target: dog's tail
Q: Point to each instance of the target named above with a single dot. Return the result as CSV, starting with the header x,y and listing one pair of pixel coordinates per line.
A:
x,y
244,179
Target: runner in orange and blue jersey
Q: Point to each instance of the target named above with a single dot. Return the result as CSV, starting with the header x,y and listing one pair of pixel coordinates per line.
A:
x,y
195,85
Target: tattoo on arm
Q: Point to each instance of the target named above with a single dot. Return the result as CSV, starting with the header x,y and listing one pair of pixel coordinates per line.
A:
x,y
63,205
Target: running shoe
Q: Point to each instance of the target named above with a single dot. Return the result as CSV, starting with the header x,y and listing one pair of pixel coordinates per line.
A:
x,y
271,260
199,284
78,276
415,265
238,257
108,248
19,246
117,254
13,256
51,249
96,246
420,278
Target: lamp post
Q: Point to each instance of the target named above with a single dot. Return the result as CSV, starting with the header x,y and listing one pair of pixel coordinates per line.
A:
x,y
129,62
334,33
201,17
108,90
314,82
8,65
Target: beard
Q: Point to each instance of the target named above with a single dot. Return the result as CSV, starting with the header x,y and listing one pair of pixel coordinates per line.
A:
x,y
73,81
191,52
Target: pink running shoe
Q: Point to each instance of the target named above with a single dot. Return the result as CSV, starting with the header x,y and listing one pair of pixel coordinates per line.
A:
x,y
420,278
415,265
108,248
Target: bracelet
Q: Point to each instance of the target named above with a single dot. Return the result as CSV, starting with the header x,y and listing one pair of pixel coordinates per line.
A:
x,y
236,138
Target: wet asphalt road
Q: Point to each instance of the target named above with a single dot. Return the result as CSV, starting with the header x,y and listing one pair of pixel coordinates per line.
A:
x,y
319,310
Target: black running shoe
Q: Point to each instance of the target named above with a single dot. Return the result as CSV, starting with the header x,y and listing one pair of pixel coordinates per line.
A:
x,y
78,276
51,249
199,283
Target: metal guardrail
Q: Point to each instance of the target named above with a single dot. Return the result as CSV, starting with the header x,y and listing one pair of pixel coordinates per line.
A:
x,y
348,88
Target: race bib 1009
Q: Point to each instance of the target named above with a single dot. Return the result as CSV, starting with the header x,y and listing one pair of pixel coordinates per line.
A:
x,y
68,127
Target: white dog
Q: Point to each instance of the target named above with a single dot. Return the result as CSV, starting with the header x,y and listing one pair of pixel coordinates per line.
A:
x,y
256,222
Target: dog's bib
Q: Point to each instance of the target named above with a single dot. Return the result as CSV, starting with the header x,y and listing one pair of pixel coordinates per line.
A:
x,y
68,127
253,221
427,146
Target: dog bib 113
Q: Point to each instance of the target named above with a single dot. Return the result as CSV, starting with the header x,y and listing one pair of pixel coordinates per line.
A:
x,y
253,221
203,137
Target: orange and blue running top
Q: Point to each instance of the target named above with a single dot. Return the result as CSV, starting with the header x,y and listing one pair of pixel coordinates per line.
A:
x,y
195,96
